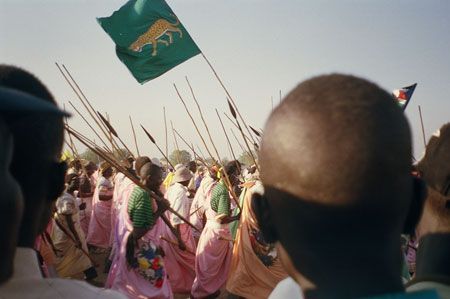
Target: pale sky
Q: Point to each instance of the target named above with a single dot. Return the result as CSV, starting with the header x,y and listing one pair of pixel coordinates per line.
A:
x,y
258,47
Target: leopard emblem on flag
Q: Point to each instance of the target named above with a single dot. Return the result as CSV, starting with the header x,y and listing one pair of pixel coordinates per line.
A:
x,y
152,36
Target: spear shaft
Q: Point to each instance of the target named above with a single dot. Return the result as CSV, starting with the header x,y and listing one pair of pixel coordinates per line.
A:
x,y
227,179
154,142
176,144
134,135
229,143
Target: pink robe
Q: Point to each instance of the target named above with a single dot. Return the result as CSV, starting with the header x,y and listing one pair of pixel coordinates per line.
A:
x,y
122,277
213,256
180,264
197,207
100,224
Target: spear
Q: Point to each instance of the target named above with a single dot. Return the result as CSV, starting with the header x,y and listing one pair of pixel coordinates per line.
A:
x,y
114,132
85,120
175,244
135,180
193,121
176,143
229,118
243,136
103,127
201,153
256,132
81,100
225,239
237,140
229,143
167,143
74,149
134,135
154,142
227,179
226,91
190,147
423,130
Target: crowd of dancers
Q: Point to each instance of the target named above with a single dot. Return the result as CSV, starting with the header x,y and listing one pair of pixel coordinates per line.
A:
x,y
334,207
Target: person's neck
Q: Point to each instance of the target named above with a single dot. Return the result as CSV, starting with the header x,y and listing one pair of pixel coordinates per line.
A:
x,y
433,255
355,274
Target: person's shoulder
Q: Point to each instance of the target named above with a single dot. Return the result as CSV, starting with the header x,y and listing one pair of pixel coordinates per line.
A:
x,y
139,193
423,294
65,197
219,188
54,288
287,288
442,287
80,289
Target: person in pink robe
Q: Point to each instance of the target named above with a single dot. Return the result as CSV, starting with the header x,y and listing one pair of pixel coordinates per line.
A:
x,y
180,262
100,224
214,251
126,275
197,209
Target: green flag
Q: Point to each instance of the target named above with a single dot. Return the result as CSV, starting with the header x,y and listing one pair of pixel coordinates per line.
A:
x,y
150,40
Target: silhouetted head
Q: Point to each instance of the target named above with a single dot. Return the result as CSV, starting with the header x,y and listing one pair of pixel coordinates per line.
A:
x,y
335,164
40,136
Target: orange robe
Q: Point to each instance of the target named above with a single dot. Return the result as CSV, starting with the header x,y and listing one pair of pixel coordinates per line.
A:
x,y
249,277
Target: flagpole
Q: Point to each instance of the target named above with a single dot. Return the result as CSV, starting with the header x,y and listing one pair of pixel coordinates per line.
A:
x,y
227,179
423,130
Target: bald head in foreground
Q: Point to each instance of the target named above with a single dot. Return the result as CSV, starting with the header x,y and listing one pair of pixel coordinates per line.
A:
x,y
335,164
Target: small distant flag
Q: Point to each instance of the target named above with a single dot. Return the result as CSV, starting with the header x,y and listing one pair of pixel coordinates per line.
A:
x,y
149,38
403,95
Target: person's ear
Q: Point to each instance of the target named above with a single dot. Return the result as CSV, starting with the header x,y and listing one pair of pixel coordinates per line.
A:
x,y
55,183
261,209
419,195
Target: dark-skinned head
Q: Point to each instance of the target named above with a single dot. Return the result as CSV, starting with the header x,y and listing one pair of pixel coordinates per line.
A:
x,y
41,178
151,176
192,166
335,164
141,161
72,181
232,171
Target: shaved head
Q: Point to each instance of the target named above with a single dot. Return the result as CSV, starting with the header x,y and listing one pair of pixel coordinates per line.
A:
x,y
340,140
335,164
